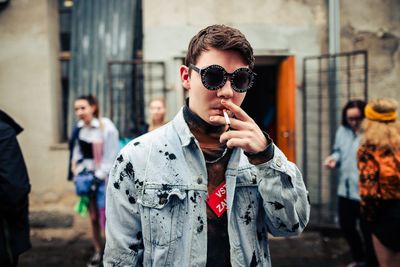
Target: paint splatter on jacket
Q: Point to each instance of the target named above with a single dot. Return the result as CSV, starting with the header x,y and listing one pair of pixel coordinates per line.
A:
x,y
156,209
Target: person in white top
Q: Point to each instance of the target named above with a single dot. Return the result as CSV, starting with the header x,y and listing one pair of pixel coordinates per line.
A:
x,y
94,149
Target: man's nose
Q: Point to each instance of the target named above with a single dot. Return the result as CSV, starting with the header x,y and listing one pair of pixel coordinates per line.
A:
x,y
226,91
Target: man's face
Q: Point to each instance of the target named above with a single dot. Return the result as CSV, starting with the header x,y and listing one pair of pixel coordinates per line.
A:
x,y
206,103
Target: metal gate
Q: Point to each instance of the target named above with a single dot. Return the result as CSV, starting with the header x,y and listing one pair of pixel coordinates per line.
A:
x,y
131,85
329,81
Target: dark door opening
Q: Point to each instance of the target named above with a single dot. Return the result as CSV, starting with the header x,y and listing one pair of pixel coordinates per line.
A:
x,y
260,102
271,103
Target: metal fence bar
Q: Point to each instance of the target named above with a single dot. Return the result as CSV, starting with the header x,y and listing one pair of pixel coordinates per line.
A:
x,y
321,90
304,87
319,137
127,111
366,75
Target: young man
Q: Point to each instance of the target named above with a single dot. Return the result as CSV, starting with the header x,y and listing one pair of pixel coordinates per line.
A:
x,y
206,188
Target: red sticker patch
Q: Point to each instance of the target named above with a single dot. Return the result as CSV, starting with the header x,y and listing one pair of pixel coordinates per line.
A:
x,y
217,200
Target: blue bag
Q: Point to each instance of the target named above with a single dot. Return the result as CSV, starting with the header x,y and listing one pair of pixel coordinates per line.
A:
x,y
84,183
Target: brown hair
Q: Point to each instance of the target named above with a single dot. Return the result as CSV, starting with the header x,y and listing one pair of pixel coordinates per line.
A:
x,y
219,37
381,134
359,104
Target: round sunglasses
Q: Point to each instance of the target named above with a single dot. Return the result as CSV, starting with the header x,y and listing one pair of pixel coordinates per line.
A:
x,y
214,77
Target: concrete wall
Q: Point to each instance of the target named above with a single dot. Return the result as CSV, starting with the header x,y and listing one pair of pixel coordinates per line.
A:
x,y
29,92
29,67
295,26
300,27
271,27
374,25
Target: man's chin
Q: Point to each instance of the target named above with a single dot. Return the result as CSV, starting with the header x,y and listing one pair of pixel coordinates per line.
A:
x,y
213,123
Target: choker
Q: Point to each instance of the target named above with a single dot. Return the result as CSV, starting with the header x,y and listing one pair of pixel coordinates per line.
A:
x,y
200,127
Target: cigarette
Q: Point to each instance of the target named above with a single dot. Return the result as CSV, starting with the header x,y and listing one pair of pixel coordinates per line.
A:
x,y
227,120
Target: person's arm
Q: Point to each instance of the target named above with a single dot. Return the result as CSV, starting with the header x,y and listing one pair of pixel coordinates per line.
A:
x,y
284,195
110,150
14,180
71,145
280,183
124,243
333,159
76,155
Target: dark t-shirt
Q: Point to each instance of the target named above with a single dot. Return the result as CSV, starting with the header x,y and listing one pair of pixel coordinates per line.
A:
x,y
208,136
217,157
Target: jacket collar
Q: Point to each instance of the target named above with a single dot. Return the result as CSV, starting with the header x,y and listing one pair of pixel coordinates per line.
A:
x,y
185,135
4,117
186,138
94,123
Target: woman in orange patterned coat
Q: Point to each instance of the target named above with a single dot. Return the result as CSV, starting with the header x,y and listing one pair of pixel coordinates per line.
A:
x,y
379,165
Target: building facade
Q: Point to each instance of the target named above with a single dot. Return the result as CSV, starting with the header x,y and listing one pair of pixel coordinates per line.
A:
x,y
31,88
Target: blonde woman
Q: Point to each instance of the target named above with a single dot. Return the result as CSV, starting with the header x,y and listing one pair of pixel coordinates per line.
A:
x,y
379,165
157,113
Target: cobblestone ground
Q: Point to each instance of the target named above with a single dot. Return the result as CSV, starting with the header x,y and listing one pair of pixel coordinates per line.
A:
x,y
68,245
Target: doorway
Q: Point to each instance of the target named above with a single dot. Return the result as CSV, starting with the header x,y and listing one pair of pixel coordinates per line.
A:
x,y
271,101
260,101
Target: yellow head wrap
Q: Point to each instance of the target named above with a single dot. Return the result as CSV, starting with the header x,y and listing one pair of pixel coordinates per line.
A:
x,y
371,114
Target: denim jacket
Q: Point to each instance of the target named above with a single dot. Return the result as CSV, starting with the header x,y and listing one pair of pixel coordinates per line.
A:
x,y
156,209
345,154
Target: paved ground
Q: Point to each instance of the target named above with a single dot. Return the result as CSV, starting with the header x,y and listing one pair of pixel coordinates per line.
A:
x,y
62,240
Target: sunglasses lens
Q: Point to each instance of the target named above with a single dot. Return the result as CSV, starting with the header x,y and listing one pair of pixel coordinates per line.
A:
x,y
242,80
213,77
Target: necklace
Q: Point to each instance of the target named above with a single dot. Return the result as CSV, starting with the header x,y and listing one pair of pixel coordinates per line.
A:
x,y
219,158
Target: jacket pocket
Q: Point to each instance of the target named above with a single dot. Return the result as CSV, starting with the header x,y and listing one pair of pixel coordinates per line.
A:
x,y
163,214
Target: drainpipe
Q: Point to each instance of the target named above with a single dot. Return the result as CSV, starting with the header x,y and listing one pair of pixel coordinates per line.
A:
x,y
333,90
333,77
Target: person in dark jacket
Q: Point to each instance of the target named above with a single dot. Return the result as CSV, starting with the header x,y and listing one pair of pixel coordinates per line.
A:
x,y
14,190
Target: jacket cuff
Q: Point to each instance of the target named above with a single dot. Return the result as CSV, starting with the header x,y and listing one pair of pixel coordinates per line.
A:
x,y
263,156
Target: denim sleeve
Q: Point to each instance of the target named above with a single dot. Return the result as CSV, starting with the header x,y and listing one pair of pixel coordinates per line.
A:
x,y
284,195
336,151
124,243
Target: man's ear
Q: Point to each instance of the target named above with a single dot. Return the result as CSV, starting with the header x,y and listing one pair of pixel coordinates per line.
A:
x,y
184,72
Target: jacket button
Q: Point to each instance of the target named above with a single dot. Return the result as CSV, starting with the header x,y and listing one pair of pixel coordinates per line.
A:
x,y
279,162
199,180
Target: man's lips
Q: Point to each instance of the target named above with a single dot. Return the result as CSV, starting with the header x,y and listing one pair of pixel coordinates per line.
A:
x,y
220,111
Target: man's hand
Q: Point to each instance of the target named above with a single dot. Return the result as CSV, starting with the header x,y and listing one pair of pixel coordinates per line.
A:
x,y
244,132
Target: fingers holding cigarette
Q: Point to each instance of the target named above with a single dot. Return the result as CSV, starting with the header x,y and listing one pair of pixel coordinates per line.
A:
x,y
244,132
227,118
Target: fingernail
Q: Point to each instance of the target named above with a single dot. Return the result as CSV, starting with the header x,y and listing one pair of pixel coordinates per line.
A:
x,y
223,101
211,118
